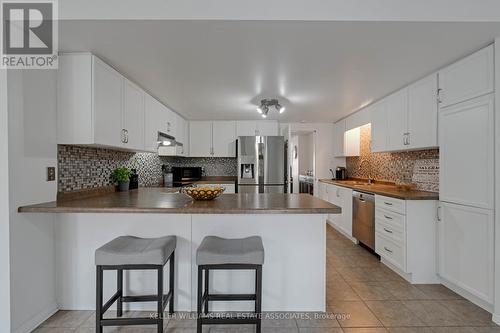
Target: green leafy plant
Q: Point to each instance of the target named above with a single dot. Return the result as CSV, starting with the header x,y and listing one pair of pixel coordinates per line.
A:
x,y
121,175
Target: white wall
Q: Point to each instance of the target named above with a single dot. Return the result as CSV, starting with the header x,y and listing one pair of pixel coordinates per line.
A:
x,y
4,209
324,147
496,315
306,153
32,147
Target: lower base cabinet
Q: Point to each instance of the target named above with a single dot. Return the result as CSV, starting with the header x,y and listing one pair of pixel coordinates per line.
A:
x,y
342,197
405,237
466,250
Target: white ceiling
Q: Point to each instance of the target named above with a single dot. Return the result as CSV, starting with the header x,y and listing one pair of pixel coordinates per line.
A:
x,y
321,71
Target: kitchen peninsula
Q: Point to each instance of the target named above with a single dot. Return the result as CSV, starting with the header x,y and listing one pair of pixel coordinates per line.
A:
x,y
292,227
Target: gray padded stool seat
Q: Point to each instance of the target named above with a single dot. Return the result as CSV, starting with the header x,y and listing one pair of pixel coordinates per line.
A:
x,y
130,250
216,251
135,253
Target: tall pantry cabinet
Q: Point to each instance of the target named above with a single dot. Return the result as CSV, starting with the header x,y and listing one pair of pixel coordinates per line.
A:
x,y
466,210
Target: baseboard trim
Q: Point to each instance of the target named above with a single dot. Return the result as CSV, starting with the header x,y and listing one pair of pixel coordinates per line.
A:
x,y
35,321
496,318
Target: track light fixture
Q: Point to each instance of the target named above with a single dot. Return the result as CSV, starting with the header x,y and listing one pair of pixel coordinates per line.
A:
x,y
263,109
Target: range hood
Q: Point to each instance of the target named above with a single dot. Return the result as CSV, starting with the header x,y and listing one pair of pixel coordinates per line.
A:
x,y
165,140
168,146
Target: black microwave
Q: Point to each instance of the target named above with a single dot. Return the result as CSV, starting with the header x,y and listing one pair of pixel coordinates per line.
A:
x,y
186,174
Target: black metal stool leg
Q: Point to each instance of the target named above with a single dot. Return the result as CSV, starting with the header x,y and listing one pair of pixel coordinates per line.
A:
x,y
198,307
160,300
98,312
171,283
258,297
119,287
207,277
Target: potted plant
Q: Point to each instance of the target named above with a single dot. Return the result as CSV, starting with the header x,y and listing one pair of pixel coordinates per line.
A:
x,y
122,177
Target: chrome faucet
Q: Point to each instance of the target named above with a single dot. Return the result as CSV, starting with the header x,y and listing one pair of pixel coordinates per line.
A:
x,y
370,178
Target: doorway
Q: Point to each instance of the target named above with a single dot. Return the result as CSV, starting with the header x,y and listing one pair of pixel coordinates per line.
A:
x,y
302,161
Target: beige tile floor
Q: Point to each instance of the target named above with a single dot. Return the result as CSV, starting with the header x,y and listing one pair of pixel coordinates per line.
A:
x,y
363,295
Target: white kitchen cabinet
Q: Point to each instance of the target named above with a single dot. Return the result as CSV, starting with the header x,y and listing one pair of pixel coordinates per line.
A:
x,y
407,119
379,127
338,138
405,237
154,122
107,93
352,142
267,128
423,113
397,120
200,138
171,121
261,127
468,78
212,139
342,197
465,248
246,128
98,106
133,116
466,158
224,139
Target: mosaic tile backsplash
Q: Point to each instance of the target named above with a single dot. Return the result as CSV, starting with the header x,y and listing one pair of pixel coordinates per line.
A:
x,y
87,167
393,167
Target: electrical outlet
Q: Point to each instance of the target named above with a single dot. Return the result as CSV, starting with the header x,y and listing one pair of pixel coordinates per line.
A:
x,y
51,174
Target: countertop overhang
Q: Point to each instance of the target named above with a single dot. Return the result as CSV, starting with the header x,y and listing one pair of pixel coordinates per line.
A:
x,y
386,190
161,200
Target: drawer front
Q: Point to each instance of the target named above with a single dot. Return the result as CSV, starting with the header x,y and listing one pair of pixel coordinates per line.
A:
x,y
394,219
390,231
390,250
392,204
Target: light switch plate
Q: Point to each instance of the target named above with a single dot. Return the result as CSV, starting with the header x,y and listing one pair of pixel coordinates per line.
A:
x,y
51,174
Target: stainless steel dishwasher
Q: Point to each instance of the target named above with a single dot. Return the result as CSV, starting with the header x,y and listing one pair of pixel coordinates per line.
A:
x,y
363,218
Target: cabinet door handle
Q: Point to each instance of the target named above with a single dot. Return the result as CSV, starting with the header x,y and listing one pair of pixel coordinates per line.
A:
x,y
387,230
439,213
390,251
388,203
439,101
123,135
126,136
388,217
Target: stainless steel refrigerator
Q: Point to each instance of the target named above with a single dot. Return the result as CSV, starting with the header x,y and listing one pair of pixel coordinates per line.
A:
x,y
261,164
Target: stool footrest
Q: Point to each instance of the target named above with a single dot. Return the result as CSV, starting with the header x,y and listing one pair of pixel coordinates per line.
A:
x,y
128,321
145,298
231,297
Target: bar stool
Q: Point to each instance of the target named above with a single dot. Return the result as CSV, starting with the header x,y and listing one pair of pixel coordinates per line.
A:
x,y
134,253
217,253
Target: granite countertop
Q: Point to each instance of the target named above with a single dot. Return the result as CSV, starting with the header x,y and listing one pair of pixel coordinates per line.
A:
x,y
161,200
389,190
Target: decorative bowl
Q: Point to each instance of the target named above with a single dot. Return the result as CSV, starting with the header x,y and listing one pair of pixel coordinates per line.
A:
x,y
203,192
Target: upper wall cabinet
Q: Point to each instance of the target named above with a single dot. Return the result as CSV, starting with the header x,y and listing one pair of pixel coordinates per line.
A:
x,y
379,126
133,115
468,78
352,142
406,119
212,139
423,114
98,106
155,120
252,128
338,138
